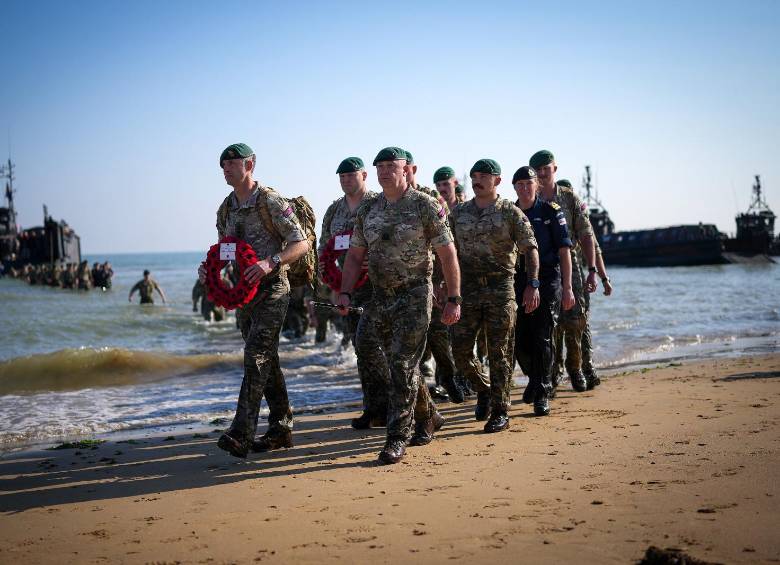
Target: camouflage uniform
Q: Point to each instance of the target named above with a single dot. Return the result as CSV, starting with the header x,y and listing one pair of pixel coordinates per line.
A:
x,y
372,366
146,289
489,241
261,320
572,322
399,237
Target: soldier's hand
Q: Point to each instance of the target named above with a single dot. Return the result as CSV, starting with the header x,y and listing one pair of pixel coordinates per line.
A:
x,y
567,299
607,286
592,283
451,314
343,303
254,273
202,273
530,299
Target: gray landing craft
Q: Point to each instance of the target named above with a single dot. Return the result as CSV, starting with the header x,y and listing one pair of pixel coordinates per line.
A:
x,y
53,242
685,245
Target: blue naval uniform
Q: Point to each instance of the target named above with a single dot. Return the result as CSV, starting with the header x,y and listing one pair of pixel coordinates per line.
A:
x,y
534,345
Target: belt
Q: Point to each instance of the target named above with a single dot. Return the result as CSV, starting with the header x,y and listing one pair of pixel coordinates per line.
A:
x,y
489,277
396,290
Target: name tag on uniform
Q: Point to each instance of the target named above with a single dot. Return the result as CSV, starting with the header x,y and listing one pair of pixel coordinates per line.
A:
x,y
227,251
341,243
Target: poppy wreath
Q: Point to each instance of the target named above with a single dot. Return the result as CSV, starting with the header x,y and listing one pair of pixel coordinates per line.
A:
x,y
218,293
331,260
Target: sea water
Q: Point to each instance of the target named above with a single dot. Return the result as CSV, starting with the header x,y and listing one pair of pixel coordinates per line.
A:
x,y
75,364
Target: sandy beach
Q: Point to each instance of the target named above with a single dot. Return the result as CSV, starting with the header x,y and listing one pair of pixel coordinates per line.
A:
x,y
681,456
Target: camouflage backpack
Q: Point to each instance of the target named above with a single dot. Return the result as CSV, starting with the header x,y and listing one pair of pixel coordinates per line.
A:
x,y
302,272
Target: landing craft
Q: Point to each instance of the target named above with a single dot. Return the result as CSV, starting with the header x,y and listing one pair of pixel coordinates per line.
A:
x,y
54,242
683,245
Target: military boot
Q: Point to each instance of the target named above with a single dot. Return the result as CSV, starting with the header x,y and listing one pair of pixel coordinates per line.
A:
x,y
438,392
465,385
272,440
592,380
482,411
541,405
578,382
236,446
453,390
423,433
362,422
499,421
392,452
528,393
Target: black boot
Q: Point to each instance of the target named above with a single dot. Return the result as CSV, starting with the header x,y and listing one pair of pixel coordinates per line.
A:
x,y
393,451
439,393
237,447
578,382
272,440
528,393
592,380
362,422
482,411
453,390
499,421
541,405
423,433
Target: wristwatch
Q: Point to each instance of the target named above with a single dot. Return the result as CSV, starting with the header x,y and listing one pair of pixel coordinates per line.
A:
x,y
455,300
605,280
276,260
592,269
534,283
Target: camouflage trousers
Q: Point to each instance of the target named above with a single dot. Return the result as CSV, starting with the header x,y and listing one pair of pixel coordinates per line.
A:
x,y
573,324
399,318
371,362
495,311
260,322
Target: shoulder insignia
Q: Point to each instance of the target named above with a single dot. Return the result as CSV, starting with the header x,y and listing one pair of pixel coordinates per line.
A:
x,y
583,206
441,213
288,212
555,206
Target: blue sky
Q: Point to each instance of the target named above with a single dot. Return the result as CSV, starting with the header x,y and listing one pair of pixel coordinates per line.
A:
x,y
117,111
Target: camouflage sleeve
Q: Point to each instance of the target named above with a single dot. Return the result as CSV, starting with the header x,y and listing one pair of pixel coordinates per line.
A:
x,y
522,231
284,219
358,239
221,220
435,224
326,221
581,223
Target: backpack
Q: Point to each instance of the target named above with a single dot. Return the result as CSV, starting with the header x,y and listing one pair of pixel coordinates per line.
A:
x,y
303,271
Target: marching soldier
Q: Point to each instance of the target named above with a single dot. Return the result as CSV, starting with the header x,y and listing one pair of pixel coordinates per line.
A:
x,y
397,231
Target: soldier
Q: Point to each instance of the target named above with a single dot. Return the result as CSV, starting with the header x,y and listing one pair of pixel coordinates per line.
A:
x,y
572,322
261,319
108,275
490,232
396,231
372,366
207,307
84,276
460,193
411,178
146,287
534,346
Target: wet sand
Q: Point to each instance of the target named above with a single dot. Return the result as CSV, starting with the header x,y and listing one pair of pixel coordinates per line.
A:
x,y
681,456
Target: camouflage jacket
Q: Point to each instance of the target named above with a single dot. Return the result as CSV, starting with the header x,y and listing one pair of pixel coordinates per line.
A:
x,y
400,236
338,219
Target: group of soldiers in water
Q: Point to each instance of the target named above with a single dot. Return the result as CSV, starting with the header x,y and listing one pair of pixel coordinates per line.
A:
x,y
483,284
72,276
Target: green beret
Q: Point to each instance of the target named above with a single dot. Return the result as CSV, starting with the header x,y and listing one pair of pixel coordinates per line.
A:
x,y
236,151
566,183
390,154
488,166
459,189
523,173
350,165
409,157
541,158
443,173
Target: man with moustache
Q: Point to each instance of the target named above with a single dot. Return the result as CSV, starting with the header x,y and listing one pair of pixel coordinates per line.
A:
x,y
397,231
339,219
261,319
534,346
572,322
490,232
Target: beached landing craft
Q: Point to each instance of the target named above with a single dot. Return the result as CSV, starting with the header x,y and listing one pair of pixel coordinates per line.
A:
x,y
684,245
53,242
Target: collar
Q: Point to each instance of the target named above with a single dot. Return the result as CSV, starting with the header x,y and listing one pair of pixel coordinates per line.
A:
x,y
249,203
